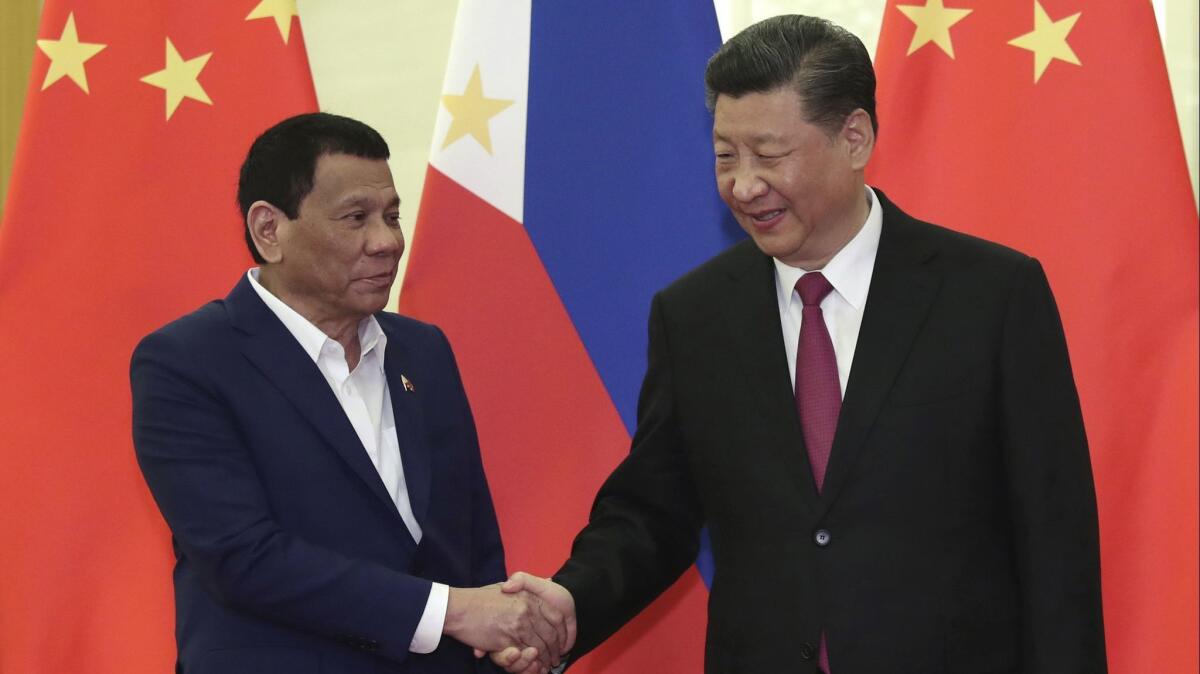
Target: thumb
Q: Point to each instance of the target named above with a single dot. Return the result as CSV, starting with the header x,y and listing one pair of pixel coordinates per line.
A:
x,y
518,581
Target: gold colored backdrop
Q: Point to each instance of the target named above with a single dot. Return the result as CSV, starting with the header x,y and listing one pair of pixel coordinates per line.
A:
x,y
18,30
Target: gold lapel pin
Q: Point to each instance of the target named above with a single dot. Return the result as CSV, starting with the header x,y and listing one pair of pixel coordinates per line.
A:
x,y
408,386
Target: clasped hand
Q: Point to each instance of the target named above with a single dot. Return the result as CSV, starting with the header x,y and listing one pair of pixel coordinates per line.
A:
x,y
527,624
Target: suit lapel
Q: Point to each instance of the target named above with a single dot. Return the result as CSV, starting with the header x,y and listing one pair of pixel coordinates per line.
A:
x,y
753,319
903,288
269,346
414,452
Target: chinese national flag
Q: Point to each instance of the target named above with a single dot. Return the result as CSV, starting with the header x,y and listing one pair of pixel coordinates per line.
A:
x,y
121,216
1048,125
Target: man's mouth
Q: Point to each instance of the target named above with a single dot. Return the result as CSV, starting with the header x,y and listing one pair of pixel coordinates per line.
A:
x,y
765,219
378,280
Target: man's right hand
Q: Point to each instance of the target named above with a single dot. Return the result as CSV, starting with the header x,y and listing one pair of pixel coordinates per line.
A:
x,y
557,605
513,621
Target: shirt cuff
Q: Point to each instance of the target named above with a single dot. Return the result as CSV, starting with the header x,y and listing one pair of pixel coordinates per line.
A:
x,y
429,630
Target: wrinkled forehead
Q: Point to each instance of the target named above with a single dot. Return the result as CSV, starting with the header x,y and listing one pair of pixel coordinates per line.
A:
x,y
339,177
757,117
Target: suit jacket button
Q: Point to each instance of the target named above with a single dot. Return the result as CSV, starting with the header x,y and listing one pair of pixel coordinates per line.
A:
x,y
807,651
822,537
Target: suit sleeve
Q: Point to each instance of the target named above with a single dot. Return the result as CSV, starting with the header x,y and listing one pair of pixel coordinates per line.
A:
x,y
644,527
204,481
1050,487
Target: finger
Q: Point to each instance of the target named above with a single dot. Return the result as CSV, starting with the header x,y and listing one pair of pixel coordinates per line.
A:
x,y
545,651
527,581
509,658
555,618
525,628
536,668
526,662
515,582
571,632
478,653
549,634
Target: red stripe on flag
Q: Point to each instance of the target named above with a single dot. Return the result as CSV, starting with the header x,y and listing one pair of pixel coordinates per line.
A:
x,y
548,430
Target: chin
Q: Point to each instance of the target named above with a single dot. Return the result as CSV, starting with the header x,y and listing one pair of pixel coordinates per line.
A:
x,y
772,246
368,306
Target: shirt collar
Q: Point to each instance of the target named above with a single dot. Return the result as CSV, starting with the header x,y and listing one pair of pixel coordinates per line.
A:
x,y
310,337
849,270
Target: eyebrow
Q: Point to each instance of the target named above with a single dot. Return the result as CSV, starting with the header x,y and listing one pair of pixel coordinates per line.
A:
x,y
757,139
362,199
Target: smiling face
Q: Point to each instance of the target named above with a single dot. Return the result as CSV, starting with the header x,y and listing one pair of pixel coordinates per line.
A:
x,y
336,261
796,189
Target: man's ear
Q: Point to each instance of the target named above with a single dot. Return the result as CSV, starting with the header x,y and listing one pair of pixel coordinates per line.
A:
x,y
264,220
859,136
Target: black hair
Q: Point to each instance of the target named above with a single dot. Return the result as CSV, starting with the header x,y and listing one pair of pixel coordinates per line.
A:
x,y
828,67
281,162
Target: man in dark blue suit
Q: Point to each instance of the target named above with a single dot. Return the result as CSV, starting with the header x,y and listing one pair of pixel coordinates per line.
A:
x,y
315,456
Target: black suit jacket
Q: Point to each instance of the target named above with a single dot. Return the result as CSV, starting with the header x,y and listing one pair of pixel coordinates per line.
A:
x,y
958,501
291,555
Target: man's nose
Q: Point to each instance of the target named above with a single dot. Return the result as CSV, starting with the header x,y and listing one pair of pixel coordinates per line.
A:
x,y
382,238
748,185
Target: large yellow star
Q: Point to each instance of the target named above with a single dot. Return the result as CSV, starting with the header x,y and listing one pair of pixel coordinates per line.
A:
x,y
471,112
67,56
280,10
933,22
180,79
1047,40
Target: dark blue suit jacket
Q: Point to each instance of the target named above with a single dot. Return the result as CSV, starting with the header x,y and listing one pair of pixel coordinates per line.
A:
x,y
291,555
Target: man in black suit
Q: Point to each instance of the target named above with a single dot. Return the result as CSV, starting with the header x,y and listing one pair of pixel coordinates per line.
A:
x,y
874,416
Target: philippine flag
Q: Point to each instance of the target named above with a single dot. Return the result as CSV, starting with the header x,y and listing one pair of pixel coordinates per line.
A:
x,y
570,178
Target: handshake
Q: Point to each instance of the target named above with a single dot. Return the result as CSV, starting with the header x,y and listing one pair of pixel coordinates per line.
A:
x,y
526,624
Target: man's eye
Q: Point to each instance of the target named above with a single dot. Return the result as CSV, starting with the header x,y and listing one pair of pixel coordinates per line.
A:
x,y
393,219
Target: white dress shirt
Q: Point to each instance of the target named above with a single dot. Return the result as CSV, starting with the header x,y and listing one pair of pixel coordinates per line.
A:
x,y
849,272
364,396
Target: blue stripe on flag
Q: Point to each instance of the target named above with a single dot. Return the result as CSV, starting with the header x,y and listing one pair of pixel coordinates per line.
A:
x,y
620,198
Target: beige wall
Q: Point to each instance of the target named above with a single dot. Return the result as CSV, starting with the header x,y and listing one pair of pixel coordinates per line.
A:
x,y
382,61
18,29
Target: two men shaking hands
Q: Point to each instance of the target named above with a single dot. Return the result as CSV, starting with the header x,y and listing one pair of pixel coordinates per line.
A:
x,y
874,417
529,627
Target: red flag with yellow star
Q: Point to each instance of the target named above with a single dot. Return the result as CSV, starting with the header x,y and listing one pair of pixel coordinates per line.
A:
x,y
121,215
1048,125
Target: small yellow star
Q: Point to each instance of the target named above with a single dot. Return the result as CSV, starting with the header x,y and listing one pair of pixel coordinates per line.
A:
x,y
180,79
280,10
1047,40
67,56
933,22
471,112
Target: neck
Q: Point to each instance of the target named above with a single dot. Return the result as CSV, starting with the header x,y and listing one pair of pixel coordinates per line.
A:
x,y
341,329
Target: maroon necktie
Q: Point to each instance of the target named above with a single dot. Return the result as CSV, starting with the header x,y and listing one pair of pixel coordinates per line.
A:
x,y
818,390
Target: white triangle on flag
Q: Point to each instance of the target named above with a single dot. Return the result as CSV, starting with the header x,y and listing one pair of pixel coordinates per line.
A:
x,y
493,36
